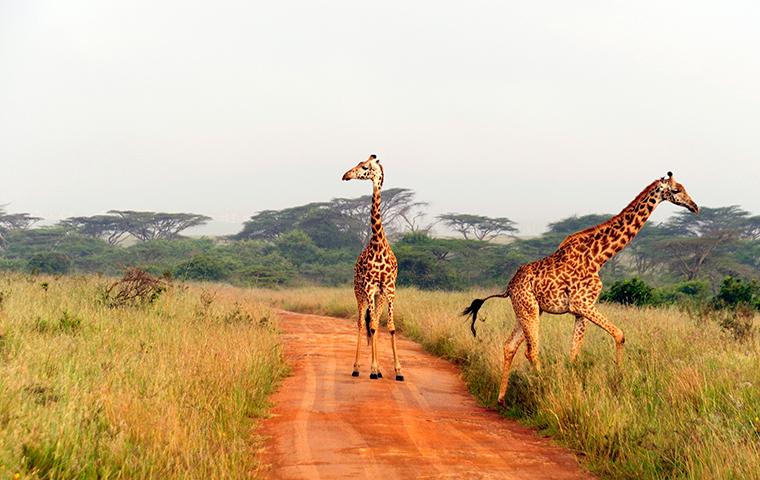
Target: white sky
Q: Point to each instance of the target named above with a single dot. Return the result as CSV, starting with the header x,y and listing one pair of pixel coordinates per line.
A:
x,y
529,110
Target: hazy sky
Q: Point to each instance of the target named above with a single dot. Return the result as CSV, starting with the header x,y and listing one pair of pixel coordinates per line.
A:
x,y
529,110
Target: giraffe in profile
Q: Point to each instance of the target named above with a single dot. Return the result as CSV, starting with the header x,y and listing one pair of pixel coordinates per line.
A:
x,y
567,281
375,273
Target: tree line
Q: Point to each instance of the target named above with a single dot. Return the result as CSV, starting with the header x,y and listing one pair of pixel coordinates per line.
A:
x,y
318,243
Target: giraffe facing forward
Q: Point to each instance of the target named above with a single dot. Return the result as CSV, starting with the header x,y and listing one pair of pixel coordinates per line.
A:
x,y
375,273
567,281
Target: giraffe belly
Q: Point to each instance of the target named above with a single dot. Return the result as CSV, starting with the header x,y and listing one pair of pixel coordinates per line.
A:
x,y
556,306
553,297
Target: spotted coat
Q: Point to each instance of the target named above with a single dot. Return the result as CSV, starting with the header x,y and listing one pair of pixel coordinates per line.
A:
x,y
567,281
375,273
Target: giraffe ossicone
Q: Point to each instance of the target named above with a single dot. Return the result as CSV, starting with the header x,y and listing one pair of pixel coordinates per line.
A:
x,y
375,273
567,281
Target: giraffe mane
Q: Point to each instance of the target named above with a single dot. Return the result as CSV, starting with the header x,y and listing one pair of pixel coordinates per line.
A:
x,y
382,172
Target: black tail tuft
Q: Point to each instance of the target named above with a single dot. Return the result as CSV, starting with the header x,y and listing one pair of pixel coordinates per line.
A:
x,y
366,322
473,310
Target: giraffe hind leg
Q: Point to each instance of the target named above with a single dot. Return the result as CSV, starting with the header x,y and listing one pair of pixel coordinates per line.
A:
x,y
363,318
510,348
374,322
578,332
392,331
379,303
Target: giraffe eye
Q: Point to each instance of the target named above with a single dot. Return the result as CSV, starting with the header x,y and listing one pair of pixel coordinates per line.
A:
x,y
364,167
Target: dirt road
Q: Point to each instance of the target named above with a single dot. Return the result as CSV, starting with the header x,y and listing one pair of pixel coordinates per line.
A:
x,y
330,425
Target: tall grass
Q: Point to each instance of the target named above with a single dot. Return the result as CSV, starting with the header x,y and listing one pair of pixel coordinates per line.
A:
x,y
686,403
166,389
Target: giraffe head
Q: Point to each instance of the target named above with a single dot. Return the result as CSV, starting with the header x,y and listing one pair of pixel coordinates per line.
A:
x,y
369,169
674,192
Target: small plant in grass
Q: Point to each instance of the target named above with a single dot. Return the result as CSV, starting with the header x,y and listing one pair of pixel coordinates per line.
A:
x,y
66,323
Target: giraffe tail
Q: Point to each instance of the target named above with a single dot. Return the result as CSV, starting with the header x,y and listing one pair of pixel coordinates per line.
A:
x,y
366,322
474,307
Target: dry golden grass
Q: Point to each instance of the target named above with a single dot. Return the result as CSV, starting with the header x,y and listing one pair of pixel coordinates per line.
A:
x,y
167,389
685,404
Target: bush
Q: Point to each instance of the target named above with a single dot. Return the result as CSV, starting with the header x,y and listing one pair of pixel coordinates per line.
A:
x,y
692,292
135,287
298,247
263,275
734,292
630,292
51,263
202,267
733,308
419,268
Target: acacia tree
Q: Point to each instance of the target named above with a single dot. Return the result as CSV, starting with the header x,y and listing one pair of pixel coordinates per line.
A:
x,y
326,225
574,223
709,220
269,225
14,221
152,226
480,227
688,255
18,221
701,236
109,227
345,216
397,206
141,225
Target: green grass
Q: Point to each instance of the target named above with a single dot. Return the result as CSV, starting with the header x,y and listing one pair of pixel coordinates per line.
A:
x,y
686,403
167,389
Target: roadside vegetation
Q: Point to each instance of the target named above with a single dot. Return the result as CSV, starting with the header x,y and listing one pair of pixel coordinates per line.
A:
x,y
132,378
318,243
99,379
686,403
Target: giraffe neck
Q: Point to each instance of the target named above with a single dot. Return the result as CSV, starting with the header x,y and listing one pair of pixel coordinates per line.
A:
x,y
604,241
625,225
378,235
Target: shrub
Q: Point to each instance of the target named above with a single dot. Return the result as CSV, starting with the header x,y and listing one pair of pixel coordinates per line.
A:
x,y
630,292
734,292
733,307
202,267
692,292
51,263
136,286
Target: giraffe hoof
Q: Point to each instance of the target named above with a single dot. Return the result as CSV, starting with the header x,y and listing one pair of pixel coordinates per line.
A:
x,y
355,374
373,376
379,375
399,378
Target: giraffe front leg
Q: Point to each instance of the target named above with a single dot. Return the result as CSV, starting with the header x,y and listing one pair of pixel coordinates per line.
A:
x,y
392,330
591,313
578,332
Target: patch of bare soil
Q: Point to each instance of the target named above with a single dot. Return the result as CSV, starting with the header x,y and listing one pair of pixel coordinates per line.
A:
x,y
330,425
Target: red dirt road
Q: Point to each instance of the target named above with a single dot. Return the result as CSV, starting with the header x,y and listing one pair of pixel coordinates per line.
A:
x,y
330,425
